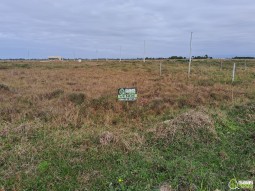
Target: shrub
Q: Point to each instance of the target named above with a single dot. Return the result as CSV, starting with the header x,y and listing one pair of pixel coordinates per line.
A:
x,y
54,94
192,125
103,102
205,82
4,87
157,105
76,98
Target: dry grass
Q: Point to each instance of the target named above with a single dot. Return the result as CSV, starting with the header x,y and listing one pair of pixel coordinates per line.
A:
x,y
69,93
76,95
106,138
196,125
165,187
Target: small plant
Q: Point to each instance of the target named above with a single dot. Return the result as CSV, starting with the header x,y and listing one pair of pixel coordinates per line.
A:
x,y
4,87
207,82
118,185
22,65
43,166
76,98
103,102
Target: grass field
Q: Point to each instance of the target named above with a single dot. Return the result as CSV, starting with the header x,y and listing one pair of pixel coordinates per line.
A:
x,y
62,128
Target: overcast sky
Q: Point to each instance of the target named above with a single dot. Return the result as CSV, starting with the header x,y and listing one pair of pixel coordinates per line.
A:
x,y
77,28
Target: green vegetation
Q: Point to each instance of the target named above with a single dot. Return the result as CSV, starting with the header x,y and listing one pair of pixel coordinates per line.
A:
x,y
46,158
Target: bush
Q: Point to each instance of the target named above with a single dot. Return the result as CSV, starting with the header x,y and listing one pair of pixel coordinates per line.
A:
x,y
4,87
76,98
103,102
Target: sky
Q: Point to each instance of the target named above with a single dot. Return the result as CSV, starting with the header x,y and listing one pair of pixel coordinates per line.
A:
x,y
100,28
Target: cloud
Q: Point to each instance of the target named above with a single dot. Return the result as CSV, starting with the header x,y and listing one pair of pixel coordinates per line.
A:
x,y
221,27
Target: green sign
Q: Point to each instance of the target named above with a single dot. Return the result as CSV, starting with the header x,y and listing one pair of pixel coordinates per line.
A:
x,y
241,184
127,94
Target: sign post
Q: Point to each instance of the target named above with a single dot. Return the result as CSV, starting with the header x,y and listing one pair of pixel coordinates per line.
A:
x,y
127,94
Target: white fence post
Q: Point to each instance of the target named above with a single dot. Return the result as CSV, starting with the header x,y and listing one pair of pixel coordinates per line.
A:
x,y
160,68
234,71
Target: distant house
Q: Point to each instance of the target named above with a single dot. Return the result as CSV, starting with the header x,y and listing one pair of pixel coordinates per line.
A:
x,y
55,58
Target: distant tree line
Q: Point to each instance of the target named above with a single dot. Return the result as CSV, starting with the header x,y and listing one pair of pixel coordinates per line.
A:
x,y
202,57
244,57
177,57
147,58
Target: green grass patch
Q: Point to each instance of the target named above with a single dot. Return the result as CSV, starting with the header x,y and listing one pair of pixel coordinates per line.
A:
x,y
44,160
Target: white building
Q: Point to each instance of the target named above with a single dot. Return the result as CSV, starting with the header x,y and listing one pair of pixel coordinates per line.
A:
x,y
55,58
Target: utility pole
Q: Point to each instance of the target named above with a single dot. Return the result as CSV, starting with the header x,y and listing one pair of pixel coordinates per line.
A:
x,y
144,51
28,57
74,55
120,53
97,55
